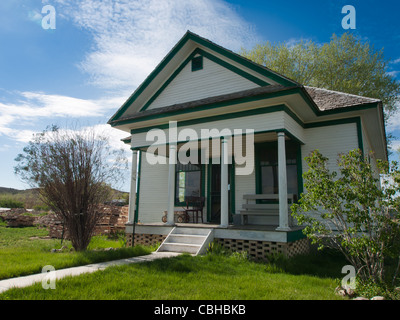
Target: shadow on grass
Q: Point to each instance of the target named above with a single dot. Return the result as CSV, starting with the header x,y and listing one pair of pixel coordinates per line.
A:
x,y
322,264
327,263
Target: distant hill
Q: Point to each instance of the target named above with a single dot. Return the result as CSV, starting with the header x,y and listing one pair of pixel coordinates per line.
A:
x,y
10,190
30,197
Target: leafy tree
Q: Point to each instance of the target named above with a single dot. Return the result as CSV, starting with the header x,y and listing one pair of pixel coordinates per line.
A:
x,y
72,170
349,210
345,64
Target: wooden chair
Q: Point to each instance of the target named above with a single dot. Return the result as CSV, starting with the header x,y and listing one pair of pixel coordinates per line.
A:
x,y
195,206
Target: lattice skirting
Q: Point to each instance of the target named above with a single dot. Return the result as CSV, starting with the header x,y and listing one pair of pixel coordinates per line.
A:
x,y
145,239
259,250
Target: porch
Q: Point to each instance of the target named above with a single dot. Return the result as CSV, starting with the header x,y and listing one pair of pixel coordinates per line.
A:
x,y
261,184
259,241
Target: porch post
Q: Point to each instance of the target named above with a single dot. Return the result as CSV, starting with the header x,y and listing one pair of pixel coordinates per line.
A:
x,y
224,183
171,184
283,195
132,193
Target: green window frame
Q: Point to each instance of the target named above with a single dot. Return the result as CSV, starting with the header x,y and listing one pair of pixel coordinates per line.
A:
x,y
267,176
197,63
189,182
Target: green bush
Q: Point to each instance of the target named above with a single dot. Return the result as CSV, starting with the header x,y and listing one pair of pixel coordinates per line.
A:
x,y
10,203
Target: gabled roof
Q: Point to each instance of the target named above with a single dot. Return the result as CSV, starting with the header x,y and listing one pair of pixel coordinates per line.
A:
x,y
213,47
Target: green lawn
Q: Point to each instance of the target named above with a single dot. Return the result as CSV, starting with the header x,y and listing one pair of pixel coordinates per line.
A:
x,y
187,278
24,251
217,275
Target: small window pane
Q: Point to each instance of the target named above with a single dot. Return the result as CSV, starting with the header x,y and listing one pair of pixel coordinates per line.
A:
x,y
197,63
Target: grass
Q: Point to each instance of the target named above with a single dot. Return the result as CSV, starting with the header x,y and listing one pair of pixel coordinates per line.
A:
x,y
186,277
25,251
218,275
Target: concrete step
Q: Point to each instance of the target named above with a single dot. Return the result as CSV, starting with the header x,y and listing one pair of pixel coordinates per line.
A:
x,y
181,247
185,238
190,240
191,231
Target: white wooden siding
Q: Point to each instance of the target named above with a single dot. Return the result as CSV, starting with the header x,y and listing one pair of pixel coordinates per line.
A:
x,y
153,194
260,123
212,80
294,128
330,141
244,184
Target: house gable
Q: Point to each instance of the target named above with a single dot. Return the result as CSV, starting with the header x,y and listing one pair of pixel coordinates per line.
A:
x,y
229,64
213,76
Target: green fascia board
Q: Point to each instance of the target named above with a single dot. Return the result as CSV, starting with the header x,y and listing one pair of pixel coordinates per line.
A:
x,y
212,46
271,109
283,92
211,57
208,106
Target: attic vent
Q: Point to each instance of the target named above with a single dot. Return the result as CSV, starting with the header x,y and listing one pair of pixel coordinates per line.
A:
x,y
197,63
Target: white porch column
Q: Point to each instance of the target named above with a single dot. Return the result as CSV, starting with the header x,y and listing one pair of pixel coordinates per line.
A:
x,y
283,195
171,183
224,183
132,193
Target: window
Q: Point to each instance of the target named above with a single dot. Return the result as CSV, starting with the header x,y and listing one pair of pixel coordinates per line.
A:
x,y
197,63
268,167
188,182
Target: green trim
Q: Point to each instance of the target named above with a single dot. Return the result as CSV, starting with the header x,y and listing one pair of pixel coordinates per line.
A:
x,y
295,235
169,80
220,50
238,114
197,63
150,78
277,108
232,190
245,62
356,120
138,187
359,136
257,148
222,104
210,57
209,191
207,107
202,185
299,161
234,69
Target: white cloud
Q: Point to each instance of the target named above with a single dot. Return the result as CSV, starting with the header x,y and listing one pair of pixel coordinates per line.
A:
x,y
394,120
131,37
31,106
395,145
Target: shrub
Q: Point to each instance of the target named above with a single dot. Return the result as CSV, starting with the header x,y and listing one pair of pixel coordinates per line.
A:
x,y
10,203
349,210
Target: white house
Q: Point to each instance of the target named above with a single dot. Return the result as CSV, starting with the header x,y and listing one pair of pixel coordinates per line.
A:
x,y
211,124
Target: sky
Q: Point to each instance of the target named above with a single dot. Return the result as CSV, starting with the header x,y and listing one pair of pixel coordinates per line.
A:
x,y
64,62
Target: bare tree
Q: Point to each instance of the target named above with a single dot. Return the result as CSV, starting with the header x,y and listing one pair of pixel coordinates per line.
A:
x,y
73,170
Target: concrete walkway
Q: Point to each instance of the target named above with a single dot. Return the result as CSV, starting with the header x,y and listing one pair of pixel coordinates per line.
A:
x,y
59,274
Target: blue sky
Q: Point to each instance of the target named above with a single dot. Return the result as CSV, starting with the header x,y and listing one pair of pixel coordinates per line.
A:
x,y
100,51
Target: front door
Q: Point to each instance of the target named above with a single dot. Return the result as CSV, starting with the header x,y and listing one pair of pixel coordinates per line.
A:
x,y
214,192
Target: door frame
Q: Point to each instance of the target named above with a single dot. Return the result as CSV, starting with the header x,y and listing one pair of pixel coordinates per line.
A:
x,y
231,190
